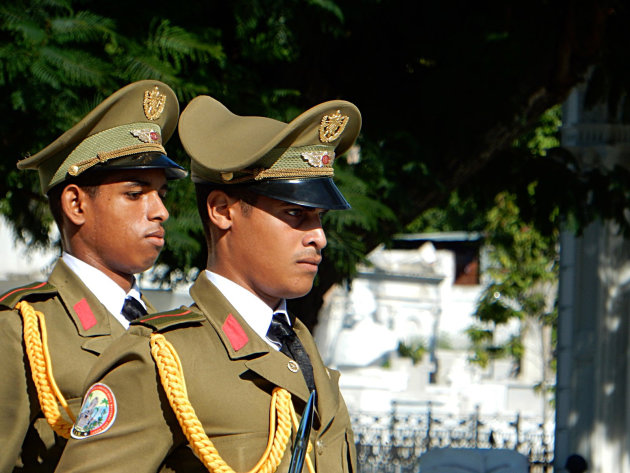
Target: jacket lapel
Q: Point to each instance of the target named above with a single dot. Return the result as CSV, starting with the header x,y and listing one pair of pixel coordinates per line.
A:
x,y
92,320
241,342
325,379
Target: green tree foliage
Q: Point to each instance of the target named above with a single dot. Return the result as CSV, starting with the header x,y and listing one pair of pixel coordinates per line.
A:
x,y
521,274
523,268
522,277
56,63
414,349
444,90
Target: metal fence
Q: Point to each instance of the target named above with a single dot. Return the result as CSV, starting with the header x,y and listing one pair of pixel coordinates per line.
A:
x,y
393,442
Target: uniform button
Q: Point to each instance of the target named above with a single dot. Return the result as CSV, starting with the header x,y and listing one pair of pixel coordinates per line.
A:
x,y
293,366
320,447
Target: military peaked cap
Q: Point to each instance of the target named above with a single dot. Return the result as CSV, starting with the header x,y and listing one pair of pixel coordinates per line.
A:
x,y
125,131
291,161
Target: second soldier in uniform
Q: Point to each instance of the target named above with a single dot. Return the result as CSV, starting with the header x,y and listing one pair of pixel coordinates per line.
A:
x,y
105,179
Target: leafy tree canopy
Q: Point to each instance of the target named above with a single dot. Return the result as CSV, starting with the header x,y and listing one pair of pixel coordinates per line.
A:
x,y
444,88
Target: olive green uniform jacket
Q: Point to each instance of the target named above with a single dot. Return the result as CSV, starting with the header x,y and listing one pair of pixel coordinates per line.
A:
x,y
230,373
79,328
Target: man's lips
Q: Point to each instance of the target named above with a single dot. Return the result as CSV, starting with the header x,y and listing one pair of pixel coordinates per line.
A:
x,y
157,235
315,260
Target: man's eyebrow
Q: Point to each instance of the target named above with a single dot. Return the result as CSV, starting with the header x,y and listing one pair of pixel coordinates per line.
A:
x,y
134,182
291,204
137,182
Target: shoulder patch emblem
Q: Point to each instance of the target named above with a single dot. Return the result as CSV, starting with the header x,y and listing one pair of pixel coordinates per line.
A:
x,y
166,320
11,298
97,414
235,333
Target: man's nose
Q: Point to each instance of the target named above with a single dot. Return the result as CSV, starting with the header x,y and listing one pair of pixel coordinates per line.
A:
x,y
158,210
316,236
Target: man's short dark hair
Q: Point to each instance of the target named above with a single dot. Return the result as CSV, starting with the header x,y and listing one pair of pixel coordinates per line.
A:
x,y
202,191
89,184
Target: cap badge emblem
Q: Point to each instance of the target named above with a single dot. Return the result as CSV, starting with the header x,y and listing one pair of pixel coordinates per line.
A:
x,y
147,135
332,126
153,103
319,159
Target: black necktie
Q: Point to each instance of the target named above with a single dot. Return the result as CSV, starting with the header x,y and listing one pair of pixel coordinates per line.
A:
x,y
281,332
132,309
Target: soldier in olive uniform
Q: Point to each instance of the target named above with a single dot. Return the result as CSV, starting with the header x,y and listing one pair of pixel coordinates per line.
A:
x,y
105,179
232,377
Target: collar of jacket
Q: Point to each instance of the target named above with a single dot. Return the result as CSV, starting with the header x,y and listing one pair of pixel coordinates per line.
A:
x,y
260,357
90,317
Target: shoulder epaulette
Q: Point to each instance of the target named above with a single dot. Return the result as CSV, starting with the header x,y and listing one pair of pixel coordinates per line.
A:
x,y
166,320
10,298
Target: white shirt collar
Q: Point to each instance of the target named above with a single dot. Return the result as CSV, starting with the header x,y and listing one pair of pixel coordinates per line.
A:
x,y
256,313
110,294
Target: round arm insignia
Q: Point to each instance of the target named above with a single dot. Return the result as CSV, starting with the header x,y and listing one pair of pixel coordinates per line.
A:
x,y
97,414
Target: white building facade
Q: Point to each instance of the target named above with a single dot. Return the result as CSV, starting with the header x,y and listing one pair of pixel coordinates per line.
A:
x,y
593,409
422,293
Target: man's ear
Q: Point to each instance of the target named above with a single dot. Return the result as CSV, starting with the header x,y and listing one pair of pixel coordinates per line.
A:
x,y
219,206
73,204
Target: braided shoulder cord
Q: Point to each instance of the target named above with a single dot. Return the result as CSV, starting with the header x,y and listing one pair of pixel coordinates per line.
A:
x,y
36,343
281,412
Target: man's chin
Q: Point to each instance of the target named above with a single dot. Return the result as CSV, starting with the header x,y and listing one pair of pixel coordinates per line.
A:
x,y
141,268
297,292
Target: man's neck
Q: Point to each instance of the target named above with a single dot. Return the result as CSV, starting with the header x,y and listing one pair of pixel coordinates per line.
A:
x,y
125,281
271,301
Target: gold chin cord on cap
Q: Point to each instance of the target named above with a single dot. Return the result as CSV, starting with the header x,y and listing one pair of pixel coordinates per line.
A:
x,y
82,166
260,174
281,415
36,343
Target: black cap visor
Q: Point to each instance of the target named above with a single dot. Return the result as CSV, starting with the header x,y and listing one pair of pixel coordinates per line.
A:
x,y
143,161
320,192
